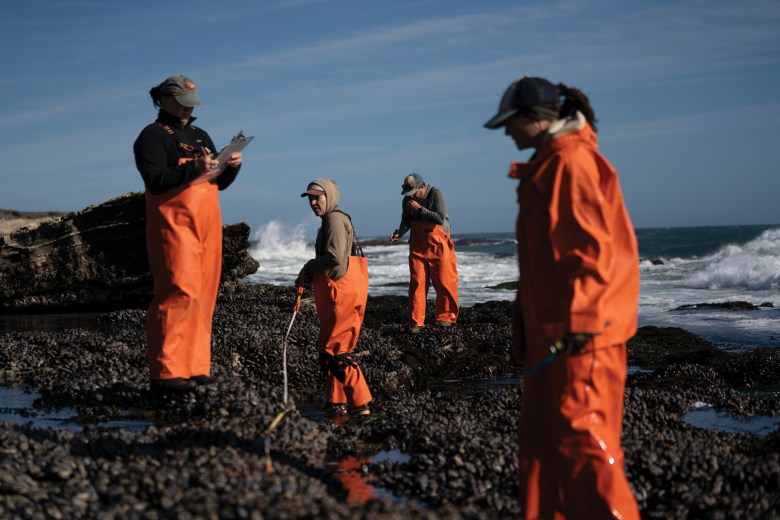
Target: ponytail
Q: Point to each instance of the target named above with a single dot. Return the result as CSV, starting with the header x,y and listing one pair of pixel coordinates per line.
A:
x,y
156,95
575,100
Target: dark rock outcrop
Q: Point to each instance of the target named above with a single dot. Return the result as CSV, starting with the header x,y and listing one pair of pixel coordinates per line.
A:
x,y
734,306
94,259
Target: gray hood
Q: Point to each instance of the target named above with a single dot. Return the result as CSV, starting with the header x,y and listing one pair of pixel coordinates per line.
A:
x,y
331,193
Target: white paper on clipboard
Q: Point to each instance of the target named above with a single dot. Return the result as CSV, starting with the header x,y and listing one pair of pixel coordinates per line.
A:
x,y
236,144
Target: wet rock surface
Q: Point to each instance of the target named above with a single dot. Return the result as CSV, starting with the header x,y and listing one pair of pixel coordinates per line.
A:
x,y
446,397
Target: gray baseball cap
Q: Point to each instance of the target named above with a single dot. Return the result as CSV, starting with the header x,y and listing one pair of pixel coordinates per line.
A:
x,y
411,184
182,88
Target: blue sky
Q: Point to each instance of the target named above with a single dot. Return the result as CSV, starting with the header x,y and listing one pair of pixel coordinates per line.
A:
x,y
366,92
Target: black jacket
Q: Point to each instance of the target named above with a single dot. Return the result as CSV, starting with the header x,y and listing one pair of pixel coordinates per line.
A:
x,y
157,153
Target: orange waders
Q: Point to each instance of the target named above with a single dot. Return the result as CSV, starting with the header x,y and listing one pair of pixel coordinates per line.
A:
x,y
432,257
184,244
579,268
340,309
570,457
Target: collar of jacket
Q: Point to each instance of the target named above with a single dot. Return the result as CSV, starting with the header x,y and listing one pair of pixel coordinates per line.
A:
x,y
562,133
173,121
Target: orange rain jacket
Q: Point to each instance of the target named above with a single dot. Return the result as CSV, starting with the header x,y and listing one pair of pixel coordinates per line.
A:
x,y
340,283
578,254
184,245
579,270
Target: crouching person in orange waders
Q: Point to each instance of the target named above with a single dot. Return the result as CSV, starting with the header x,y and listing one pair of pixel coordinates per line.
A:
x,y
339,276
431,252
183,237
578,292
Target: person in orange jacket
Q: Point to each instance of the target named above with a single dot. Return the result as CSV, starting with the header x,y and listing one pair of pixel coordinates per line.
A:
x,y
578,292
183,236
339,278
432,256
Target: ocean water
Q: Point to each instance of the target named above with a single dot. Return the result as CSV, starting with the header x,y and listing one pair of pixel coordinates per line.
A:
x,y
678,266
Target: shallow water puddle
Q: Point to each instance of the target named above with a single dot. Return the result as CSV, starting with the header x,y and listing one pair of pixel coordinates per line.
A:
x,y
16,406
353,474
706,416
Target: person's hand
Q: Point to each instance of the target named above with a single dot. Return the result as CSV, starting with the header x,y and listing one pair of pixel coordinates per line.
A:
x,y
412,205
577,341
206,163
303,279
394,237
234,161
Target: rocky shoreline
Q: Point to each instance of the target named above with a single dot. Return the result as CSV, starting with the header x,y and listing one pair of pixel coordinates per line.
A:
x,y
447,399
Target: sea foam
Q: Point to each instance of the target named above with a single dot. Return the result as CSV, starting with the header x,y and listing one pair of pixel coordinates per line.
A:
x,y
754,265
274,241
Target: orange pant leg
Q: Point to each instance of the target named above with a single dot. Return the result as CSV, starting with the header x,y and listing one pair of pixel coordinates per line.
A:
x,y
354,391
536,449
418,289
571,460
184,243
340,308
443,270
212,272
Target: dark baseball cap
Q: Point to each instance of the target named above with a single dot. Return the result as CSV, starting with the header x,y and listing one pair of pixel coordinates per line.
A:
x,y
524,92
182,88
411,184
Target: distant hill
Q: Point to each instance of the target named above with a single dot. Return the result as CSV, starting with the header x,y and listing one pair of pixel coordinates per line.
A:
x,y
12,213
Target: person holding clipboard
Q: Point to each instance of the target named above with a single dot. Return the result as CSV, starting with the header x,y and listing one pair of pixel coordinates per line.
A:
x,y
183,236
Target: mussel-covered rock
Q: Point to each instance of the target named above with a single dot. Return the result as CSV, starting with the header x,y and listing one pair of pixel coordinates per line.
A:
x,y
447,399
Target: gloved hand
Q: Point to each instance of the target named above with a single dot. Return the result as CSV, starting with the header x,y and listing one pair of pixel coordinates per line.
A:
x,y
303,279
576,341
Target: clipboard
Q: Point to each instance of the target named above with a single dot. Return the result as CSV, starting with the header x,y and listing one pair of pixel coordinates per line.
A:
x,y
236,144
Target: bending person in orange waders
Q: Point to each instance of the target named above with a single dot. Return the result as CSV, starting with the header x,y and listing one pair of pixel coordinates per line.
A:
x,y
339,276
183,237
431,252
579,287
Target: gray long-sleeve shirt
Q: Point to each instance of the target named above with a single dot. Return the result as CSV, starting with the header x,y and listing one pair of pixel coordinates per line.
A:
x,y
434,209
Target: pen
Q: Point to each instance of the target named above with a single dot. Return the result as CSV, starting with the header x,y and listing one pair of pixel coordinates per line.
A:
x,y
206,152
